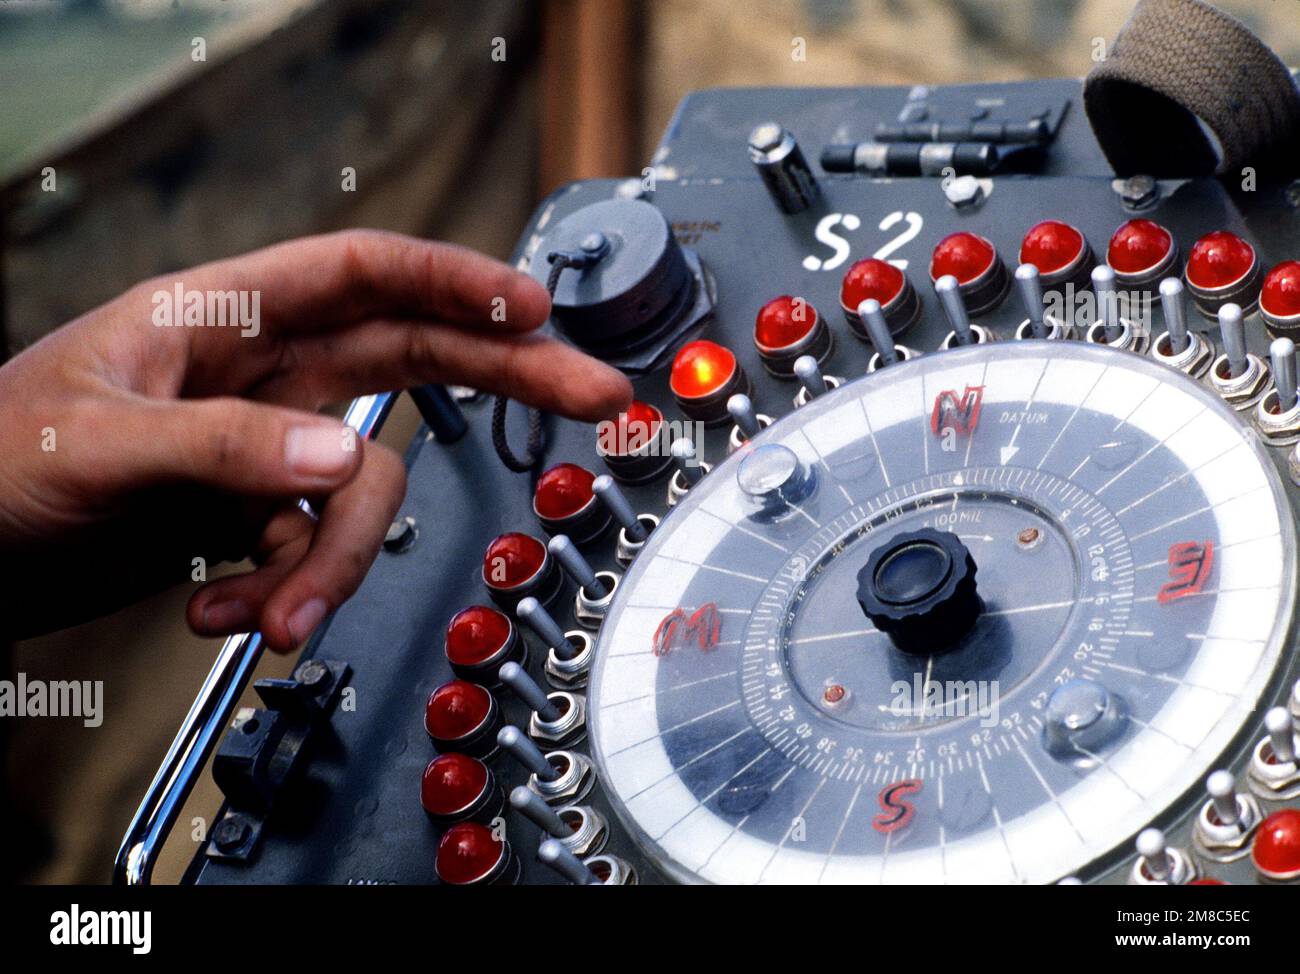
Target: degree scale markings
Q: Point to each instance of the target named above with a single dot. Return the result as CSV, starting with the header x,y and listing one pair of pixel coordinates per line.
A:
x,y
807,761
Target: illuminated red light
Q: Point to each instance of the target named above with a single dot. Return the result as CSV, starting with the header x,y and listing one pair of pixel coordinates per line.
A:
x,y
1277,845
784,321
1218,260
452,783
563,491
1052,246
476,634
871,278
1281,294
456,709
638,425
700,369
468,853
966,256
512,559
1138,247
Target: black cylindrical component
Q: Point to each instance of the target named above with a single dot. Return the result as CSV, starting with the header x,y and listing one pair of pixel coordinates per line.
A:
x,y
440,412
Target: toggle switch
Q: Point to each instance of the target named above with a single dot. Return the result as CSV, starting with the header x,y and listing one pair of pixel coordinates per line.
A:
x,y
887,352
1227,819
954,309
1178,347
1238,375
812,382
690,470
559,719
748,422
568,655
634,529
595,589
1274,772
1160,864
1112,328
559,777
580,829
1038,324
553,853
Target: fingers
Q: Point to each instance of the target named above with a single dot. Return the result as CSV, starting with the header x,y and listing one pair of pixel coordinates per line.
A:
x,y
308,568
230,444
314,282
233,603
378,355
353,522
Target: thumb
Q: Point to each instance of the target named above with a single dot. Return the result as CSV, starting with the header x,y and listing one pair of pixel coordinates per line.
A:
x,y
234,445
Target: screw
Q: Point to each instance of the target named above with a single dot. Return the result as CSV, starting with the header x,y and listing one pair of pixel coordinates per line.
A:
x,y
1138,191
312,674
231,832
401,535
834,694
964,192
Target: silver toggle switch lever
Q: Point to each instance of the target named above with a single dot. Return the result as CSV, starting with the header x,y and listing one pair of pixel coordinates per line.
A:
x,y
1111,327
1274,772
1159,864
634,529
1238,375
1277,414
595,589
748,422
812,382
1227,819
526,689
560,777
580,829
964,332
1038,324
888,352
1179,347
689,470
553,853
568,655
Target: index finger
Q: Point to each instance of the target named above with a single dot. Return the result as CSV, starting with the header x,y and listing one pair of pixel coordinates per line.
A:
x,y
312,283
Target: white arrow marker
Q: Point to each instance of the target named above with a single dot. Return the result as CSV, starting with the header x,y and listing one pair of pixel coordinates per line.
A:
x,y
1008,452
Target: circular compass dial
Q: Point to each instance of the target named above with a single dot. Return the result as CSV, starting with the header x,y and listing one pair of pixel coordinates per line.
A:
x,y
976,618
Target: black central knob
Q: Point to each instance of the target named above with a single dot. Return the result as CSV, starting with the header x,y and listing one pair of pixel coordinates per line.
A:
x,y
919,589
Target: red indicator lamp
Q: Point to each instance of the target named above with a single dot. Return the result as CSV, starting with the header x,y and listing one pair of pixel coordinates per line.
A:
x,y
1223,268
704,376
631,445
470,854
456,787
1277,845
974,262
565,503
462,716
786,328
1060,252
479,640
881,281
1279,300
1141,252
517,565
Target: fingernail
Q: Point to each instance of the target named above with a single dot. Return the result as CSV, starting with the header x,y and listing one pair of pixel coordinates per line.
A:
x,y
317,451
226,616
305,618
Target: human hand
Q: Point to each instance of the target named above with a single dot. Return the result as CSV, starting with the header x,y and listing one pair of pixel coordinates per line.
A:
x,y
131,450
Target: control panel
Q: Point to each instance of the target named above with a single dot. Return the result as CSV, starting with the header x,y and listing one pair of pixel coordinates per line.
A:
x,y
950,538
